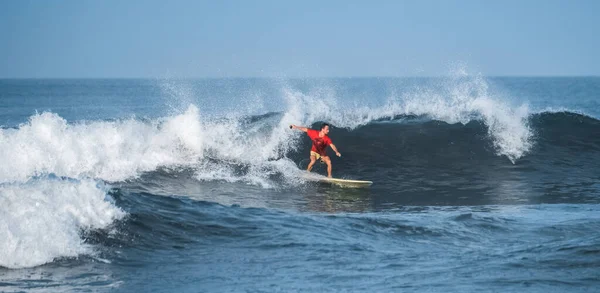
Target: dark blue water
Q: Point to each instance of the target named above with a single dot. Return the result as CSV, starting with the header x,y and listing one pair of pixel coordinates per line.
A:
x,y
480,184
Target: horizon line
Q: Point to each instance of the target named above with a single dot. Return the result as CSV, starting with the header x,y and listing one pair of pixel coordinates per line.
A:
x,y
296,77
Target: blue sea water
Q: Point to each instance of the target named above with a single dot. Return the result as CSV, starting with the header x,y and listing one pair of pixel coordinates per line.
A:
x,y
160,185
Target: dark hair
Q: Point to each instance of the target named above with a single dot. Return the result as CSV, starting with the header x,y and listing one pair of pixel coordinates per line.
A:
x,y
323,125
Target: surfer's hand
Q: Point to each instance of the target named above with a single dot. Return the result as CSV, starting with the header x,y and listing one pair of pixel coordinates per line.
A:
x,y
338,154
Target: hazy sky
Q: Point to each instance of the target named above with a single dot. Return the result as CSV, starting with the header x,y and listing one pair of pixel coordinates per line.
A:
x,y
297,38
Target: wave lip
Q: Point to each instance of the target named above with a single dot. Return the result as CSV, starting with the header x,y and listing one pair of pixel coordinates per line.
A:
x,y
41,220
465,99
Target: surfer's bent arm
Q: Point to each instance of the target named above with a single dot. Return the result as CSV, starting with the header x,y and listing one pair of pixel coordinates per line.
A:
x,y
335,150
299,127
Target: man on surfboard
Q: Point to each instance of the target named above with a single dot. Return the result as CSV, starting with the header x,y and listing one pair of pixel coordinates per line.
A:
x,y
320,142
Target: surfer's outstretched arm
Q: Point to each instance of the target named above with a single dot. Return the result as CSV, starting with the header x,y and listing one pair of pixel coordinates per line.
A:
x,y
335,150
299,127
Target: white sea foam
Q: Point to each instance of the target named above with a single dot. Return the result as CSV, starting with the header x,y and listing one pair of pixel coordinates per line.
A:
x,y
257,147
41,220
112,151
259,173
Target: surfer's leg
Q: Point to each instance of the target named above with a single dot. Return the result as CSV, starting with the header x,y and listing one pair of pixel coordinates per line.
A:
x,y
313,159
328,162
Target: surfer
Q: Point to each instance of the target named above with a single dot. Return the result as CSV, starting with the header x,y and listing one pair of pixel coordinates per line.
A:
x,y
320,142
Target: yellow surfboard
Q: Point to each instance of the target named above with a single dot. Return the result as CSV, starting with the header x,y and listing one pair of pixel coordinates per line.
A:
x,y
350,183
347,182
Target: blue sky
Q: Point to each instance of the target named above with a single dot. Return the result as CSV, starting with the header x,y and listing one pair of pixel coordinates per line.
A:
x,y
297,38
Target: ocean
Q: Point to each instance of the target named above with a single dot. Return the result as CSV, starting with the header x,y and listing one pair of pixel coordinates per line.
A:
x,y
481,184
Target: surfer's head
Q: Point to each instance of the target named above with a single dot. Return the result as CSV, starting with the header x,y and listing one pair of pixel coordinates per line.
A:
x,y
325,128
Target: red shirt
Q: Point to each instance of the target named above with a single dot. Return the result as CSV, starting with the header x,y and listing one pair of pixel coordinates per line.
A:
x,y
319,143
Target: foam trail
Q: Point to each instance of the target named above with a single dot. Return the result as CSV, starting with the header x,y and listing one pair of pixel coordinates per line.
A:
x,y
41,220
259,147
